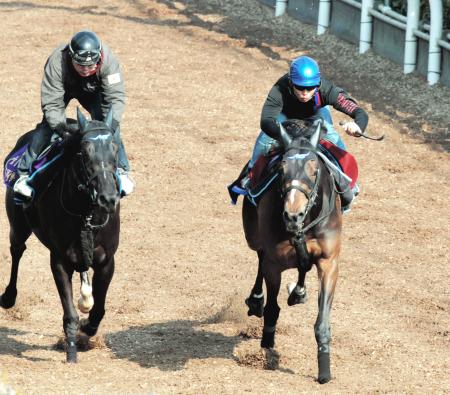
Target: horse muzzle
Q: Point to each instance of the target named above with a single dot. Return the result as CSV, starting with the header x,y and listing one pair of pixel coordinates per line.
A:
x,y
293,221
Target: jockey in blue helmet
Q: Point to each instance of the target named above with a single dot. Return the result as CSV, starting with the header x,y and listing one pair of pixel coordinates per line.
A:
x,y
302,93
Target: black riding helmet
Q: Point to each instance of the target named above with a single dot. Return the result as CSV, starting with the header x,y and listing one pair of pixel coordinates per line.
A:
x,y
85,48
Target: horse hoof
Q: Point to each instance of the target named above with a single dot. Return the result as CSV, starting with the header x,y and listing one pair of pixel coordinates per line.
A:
x,y
71,356
324,367
7,300
255,306
268,340
87,328
297,296
324,380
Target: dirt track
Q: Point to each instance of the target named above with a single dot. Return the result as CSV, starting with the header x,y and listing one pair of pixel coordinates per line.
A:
x,y
196,76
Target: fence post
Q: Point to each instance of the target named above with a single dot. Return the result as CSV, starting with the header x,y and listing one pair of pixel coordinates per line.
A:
x,y
412,23
365,37
434,50
324,16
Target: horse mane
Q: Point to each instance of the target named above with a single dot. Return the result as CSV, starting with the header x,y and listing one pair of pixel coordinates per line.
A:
x,y
304,128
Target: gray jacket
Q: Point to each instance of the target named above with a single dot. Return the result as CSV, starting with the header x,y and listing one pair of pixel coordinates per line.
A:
x,y
61,83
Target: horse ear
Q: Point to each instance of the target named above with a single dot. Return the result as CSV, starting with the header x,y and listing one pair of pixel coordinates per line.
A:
x,y
314,140
109,117
82,121
285,138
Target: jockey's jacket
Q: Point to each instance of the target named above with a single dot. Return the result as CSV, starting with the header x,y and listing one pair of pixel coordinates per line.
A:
x,y
61,83
281,99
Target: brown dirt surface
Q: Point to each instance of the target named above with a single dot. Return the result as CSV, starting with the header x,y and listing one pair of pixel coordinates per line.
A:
x,y
197,73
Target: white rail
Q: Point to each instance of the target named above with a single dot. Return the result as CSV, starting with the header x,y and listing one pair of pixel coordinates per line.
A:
x,y
408,23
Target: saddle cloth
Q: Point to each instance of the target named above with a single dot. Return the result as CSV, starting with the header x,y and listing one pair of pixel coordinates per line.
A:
x,y
49,156
343,165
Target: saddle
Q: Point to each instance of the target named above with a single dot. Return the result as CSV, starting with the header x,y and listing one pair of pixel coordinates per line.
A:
x,y
340,163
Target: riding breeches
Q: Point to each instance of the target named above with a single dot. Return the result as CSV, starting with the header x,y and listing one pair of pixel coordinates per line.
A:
x,y
264,143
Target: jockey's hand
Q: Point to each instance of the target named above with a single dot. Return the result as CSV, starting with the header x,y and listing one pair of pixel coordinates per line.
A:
x,y
62,130
352,129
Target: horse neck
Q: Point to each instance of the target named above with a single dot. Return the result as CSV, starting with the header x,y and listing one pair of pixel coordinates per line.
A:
x,y
326,196
72,199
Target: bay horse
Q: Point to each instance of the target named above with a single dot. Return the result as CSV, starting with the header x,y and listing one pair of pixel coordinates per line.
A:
x,y
78,219
296,224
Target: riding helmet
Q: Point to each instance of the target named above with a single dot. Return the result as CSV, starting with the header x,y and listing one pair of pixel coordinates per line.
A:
x,y
85,48
304,71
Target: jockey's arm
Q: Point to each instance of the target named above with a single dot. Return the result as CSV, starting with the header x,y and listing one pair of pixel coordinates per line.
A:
x,y
52,91
113,88
272,108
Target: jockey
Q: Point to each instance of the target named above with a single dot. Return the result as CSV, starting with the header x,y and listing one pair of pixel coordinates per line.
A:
x,y
302,94
86,70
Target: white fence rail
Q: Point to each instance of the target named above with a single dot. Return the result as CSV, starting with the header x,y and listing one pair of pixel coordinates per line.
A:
x,y
399,37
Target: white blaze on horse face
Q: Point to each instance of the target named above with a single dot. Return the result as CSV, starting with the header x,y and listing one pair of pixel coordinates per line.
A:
x,y
296,200
104,170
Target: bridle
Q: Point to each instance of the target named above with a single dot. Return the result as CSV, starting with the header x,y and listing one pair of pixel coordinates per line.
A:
x,y
298,230
84,183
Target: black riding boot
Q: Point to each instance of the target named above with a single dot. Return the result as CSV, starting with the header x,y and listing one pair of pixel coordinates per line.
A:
x,y
39,139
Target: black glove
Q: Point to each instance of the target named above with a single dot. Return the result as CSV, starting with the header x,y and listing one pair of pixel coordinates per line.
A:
x,y
62,130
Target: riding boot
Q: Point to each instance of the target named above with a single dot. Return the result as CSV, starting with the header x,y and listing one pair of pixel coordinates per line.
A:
x,y
240,185
39,139
348,197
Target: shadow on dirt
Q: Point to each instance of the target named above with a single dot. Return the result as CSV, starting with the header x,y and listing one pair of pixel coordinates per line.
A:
x,y
170,345
406,101
11,346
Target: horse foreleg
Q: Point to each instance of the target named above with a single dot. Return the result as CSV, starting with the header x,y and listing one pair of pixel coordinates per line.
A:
x,y
272,276
328,272
103,274
255,301
297,292
18,235
63,280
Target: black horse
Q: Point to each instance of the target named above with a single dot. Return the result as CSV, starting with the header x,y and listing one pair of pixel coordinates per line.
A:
x,y
296,224
78,219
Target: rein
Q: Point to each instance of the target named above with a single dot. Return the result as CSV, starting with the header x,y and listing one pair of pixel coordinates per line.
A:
x,y
298,238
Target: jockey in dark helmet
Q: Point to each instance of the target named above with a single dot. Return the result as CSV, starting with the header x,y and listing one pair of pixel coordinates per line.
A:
x,y
86,70
302,93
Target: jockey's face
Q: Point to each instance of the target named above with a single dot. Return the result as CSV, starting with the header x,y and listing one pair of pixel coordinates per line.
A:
x,y
85,71
304,94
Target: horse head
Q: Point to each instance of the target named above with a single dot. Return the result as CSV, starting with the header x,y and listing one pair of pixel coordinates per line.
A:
x,y
96,162
300,171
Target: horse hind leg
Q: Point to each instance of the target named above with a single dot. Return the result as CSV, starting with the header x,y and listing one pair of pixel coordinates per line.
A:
x,y
18,235
255,301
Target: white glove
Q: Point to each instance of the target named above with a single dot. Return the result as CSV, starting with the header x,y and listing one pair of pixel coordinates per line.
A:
x,y
352,129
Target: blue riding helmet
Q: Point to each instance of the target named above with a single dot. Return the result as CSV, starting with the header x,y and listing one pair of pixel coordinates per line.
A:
x,y
304,71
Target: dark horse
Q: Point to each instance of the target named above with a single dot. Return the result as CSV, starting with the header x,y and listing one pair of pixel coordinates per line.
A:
x,y
77,219
296,224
